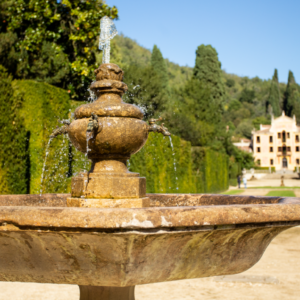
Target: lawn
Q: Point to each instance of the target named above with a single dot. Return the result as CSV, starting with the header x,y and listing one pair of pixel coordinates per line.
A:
x,y
281,194
275,187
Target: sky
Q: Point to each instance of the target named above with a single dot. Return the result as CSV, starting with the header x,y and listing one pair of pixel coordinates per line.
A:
x,y
252,38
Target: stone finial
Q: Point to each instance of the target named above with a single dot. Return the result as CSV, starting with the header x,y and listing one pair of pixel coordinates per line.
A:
x,y
109,72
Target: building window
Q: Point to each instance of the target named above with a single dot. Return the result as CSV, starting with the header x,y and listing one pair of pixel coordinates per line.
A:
x,y
297,148
271,149
297,138
258,149
271,162
258,162
279,135
271,139
279,149
258,139
288,135
288,149
297,161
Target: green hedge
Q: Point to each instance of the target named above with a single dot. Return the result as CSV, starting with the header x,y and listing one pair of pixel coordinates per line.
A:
x,y
42,106
161,165
211,170
181,169
265,168
13,136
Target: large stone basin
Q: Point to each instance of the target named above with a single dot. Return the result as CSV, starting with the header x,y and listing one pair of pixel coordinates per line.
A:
x,y
178,237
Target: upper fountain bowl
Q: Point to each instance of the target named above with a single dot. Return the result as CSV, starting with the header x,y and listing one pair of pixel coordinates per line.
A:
x,y
120,130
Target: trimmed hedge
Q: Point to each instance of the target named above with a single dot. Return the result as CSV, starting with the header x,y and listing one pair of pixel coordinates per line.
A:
x,y
13,136
181,169
42,106
198,170
211,170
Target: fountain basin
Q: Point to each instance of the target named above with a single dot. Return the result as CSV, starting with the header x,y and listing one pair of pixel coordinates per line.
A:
x,y
44,241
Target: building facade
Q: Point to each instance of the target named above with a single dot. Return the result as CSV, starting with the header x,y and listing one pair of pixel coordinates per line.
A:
x,y
277,145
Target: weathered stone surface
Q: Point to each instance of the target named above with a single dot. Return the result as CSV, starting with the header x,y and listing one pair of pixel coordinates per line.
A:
x,y
129,258
130,246
119,136
109,203
109,186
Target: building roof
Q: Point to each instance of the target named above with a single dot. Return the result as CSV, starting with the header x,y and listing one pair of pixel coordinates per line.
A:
x,y
279,124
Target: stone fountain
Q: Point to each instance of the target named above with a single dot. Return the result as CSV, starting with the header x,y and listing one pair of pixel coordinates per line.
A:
x,y
109,235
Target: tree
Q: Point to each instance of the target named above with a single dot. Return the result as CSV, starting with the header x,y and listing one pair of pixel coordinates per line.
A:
x,y
208,71
292,97
145,90
193,116
159,65
53,41
273,101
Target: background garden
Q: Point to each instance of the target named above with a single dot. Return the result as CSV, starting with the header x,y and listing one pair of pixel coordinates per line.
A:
x,y
48,51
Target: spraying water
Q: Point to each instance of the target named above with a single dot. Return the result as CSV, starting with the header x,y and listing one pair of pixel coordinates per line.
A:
x,y
174,161
44,165
108,32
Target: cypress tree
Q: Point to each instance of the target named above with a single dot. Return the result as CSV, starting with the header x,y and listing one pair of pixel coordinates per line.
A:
x,y
292,97
274,95
159,65
208,71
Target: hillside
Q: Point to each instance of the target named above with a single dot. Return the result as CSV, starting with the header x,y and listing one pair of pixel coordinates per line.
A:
x,y
246,98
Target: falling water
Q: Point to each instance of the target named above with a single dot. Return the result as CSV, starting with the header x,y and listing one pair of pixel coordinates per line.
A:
x,y
174,161
44,165
92,96
89,136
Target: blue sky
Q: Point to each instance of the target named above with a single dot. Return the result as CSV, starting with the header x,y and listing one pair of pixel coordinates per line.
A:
x,y
251,37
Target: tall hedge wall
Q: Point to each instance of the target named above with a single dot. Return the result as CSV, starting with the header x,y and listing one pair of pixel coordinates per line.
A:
x,y
13,140
35,109
198,170
42,105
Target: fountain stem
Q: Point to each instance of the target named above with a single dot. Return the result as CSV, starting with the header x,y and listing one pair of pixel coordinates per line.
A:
x,y
106,293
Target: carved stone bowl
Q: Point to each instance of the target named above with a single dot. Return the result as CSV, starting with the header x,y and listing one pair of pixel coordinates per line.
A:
x,y
42,240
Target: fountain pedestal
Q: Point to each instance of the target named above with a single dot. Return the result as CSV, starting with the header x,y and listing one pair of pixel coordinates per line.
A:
x,y
106,292
109,131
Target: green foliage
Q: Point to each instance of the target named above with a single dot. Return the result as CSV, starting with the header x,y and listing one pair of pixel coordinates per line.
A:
x,y
53,41
247,95
145,90
42,106
211,170
230,82
181,169
159,66
245,128
273,102
129,53
292,97
13,137
194,113
281,194
208,71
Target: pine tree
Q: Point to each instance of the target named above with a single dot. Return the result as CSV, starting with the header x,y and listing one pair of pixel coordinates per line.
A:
x,y
292,97
159,65
208,71
273,101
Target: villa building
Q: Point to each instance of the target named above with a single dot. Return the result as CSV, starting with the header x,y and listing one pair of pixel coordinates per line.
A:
x,y
277,145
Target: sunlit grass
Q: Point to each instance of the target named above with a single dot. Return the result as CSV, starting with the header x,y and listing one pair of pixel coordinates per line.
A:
x,y
281,194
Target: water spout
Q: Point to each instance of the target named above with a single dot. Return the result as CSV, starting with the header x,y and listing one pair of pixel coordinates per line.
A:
x,y
158,128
